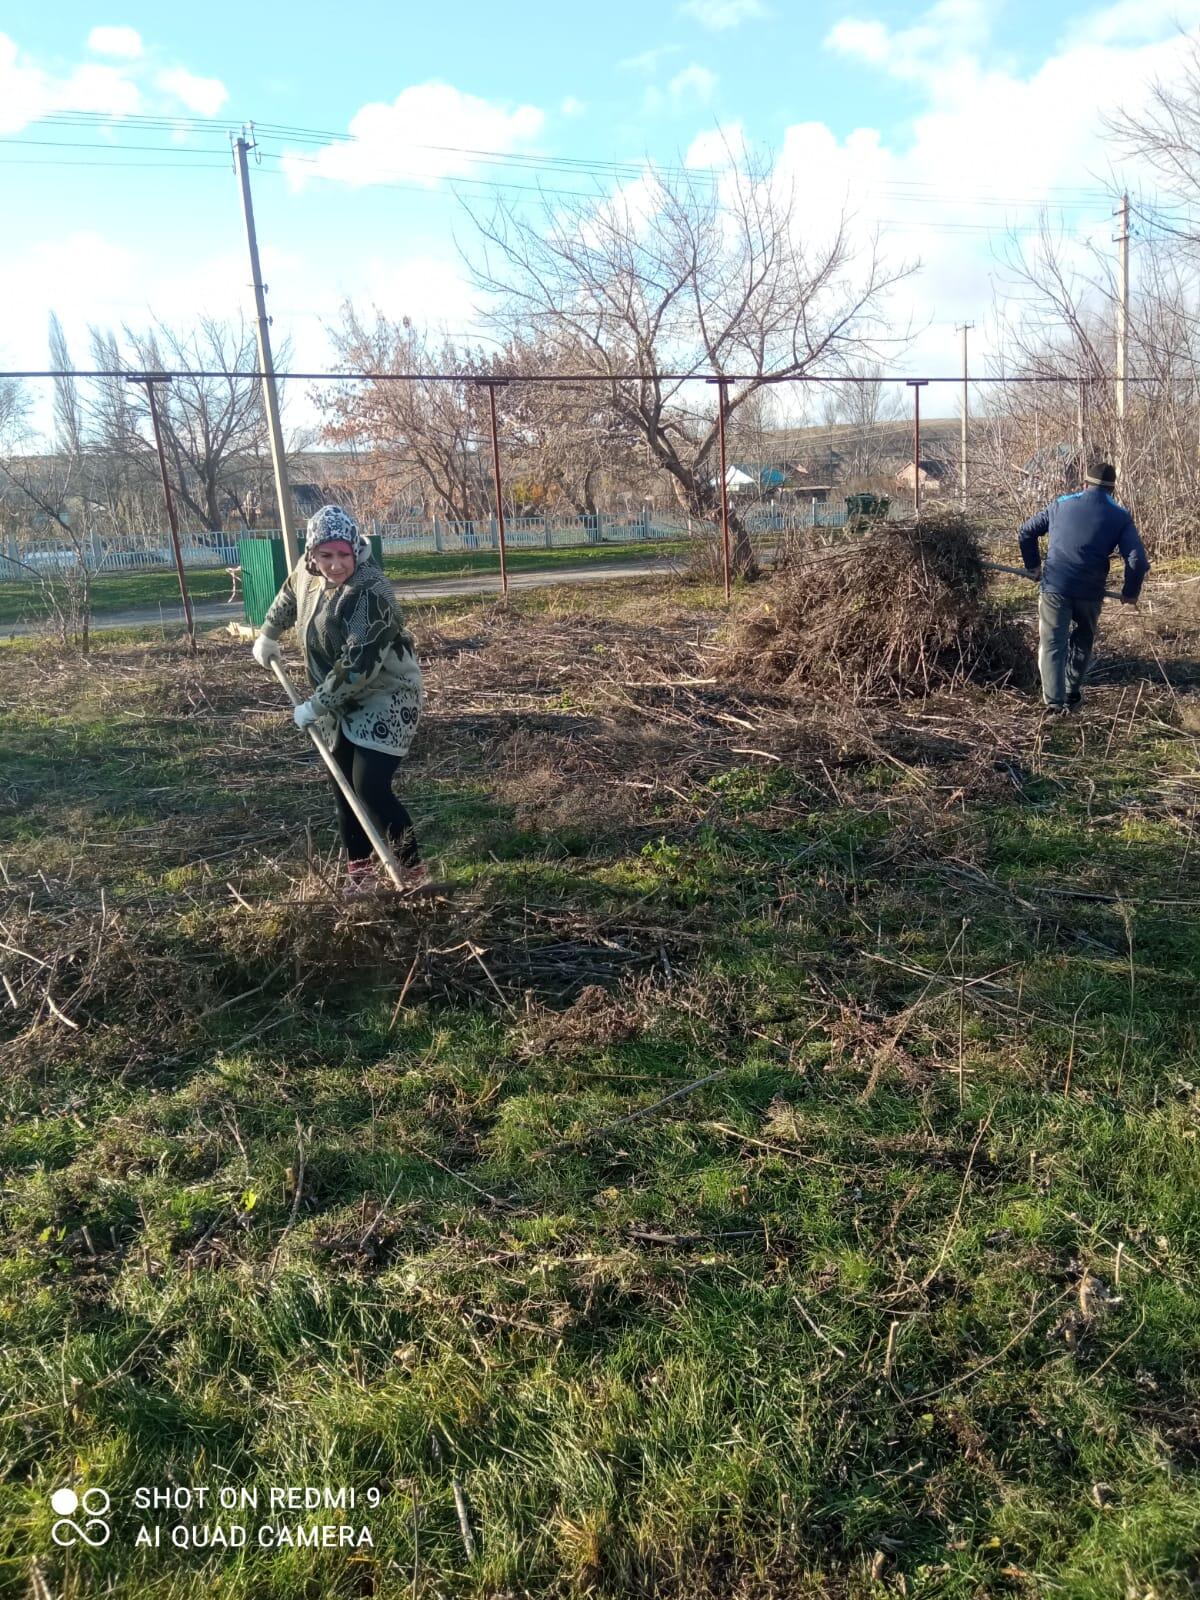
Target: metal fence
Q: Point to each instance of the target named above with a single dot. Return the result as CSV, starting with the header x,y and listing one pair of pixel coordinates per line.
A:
x,y
26,559
556,532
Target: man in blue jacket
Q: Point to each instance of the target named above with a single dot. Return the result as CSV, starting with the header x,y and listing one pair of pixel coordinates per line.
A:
x,y
1085,529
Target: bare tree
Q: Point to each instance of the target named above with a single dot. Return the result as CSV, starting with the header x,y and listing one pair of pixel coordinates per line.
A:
x,y
437,429
68,413
1060,326
1166,135
213,427
42,490
865,407
562,439
678,279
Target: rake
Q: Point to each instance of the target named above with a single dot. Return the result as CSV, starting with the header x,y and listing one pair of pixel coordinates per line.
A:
x,y
378,843
1022,572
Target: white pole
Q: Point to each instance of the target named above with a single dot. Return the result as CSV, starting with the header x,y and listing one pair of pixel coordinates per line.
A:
x,y
966,401
283,492
1122,329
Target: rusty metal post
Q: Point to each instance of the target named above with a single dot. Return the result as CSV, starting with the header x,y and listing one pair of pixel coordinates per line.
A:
x,y
722,387
491,384
150,379
916,385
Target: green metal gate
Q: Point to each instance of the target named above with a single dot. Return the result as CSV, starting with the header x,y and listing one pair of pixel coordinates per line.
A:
x,y
264,567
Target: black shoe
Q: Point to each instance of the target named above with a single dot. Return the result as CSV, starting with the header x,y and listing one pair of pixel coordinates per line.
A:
x,y
1074,701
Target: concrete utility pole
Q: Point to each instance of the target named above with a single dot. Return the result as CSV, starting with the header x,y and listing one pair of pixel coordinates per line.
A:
x,y
1122,241
966,402
283,491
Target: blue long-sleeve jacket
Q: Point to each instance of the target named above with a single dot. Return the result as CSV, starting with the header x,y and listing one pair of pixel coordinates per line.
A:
x,y
1085,530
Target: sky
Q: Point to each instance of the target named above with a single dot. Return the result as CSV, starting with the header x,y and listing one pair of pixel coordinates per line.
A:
x,y
946,127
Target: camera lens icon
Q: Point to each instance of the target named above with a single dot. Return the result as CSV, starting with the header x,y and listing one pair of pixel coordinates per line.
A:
x,y
94,1503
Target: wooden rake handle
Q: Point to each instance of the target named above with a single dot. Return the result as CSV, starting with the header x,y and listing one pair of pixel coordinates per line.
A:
x,y
378,843
1023,572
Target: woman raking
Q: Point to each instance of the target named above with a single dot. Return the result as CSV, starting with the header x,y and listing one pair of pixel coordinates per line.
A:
x,y
366,684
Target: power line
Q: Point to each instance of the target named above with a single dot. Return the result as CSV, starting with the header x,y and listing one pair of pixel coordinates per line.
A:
x,y
982,194
501,379
151,166
105,144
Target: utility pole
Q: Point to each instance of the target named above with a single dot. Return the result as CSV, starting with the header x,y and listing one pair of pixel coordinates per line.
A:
x,y
283,492
1122,241
963,477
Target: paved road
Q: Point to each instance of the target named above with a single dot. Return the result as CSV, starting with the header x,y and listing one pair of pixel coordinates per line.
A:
x,y
479,583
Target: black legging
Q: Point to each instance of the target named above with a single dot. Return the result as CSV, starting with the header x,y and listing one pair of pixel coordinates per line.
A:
x,y
370,773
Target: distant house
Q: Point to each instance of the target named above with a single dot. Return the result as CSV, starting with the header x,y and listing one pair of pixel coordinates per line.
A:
x,y
772,482
931,475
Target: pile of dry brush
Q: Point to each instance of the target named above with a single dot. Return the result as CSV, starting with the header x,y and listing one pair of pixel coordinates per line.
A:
x,y
902,612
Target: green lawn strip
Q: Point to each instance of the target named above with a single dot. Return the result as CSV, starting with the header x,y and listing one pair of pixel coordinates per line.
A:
x,y
465,563
126,591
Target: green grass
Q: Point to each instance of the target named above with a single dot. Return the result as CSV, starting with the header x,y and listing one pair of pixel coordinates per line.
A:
x,y
430,565
116,592
815,1327
124,591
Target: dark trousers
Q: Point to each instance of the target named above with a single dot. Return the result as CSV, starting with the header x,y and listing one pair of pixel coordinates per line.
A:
x,y
1067,633
370,773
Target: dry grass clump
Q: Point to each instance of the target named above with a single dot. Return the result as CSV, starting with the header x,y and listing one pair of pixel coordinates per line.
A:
x,y
595,1018
902,612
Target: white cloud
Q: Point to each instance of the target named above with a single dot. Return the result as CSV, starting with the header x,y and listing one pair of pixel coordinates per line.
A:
x,y
1135,22
720,14
648,60
988,147
695,83
28,91
431,131
867,41
571,107
125,43
433,290
204,96
74,275
951,33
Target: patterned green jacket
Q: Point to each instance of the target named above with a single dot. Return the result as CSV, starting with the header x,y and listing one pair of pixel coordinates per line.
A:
x,y
360,659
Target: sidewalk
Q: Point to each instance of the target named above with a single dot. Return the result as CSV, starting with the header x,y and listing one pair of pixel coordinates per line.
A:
x,y
479,583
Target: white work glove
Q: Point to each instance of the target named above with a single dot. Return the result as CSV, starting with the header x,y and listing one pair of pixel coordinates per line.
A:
x,y
266,650
305,714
